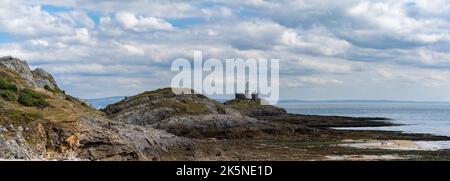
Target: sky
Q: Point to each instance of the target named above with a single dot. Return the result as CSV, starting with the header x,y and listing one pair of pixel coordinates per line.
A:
x,y
328,50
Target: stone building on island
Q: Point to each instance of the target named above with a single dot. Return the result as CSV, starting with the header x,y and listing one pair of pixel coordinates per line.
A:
x,y
247,95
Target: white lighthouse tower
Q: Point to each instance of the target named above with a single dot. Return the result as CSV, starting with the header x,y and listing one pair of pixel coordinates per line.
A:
x,y
247,91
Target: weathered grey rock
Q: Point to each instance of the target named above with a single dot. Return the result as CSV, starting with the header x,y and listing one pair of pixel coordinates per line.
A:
x,y
42,78
91,138
105,140
14,146
36,78
19,66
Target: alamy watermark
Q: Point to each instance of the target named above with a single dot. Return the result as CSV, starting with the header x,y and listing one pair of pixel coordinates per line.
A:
x,y
246,79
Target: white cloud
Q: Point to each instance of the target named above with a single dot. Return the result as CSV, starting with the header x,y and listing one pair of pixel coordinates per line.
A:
x,y
313,81
410,77
76,18
140,23
217,12
392,18
324,66
344,44
316,40
38,42
31,21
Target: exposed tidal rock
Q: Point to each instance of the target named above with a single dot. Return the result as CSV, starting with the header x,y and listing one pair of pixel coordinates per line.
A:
x,y
213,125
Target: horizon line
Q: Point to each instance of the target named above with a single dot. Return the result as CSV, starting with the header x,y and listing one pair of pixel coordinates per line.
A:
x,y
320,100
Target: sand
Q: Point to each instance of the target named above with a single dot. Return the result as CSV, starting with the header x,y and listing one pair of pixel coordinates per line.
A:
x,y
397,145
363,157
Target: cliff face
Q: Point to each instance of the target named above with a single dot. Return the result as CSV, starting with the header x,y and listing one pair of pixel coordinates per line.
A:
x,y
39,121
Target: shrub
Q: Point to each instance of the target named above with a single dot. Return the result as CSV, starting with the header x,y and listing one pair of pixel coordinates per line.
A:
x,y
28,97
71,98
8,95
84,104
7,85
46,87
54,90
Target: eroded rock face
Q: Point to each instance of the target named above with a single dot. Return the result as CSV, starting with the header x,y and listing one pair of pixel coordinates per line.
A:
x,y
91,138
14,146
95,138
42,78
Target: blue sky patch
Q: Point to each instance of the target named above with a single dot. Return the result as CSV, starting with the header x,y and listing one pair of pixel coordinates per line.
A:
x,y
95,15
184,22
55,9
7,38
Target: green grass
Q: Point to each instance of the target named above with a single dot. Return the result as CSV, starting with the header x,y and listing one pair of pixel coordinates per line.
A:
x,y
19,116
30,98
71,98
167,93
26,97
8,89
185,107
5,84
243,104
8,95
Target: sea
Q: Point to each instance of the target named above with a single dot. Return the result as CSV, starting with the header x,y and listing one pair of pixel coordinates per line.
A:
x,y
414,117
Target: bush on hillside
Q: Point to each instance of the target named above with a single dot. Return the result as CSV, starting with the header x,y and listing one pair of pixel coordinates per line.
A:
x,y
30,98
8,95
5,84
54,90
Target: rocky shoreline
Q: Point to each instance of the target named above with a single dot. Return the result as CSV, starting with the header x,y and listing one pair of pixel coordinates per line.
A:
x,y
257,132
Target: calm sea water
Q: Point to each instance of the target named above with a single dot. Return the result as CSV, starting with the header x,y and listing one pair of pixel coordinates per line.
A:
x,y
433,118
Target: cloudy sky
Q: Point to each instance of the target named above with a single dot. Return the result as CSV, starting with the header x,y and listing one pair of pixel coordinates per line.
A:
x,y
350,49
